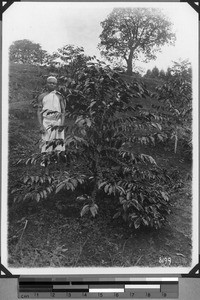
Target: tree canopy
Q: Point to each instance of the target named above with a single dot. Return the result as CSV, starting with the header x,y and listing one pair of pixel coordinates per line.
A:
x,y
134,34
71,56
25,51
68,53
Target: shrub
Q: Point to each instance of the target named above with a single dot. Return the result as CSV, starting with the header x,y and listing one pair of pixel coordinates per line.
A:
x,y
176,96
107,125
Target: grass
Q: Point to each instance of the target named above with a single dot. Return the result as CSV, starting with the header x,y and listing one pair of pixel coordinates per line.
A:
x,y
51,233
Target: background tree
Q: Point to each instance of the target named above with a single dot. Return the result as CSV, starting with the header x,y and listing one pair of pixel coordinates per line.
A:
x,y
25,51
168,73
134,34
162,74
148,73
155,72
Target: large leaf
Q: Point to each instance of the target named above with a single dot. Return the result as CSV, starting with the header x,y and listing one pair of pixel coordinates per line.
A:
x,y
85,209
94,209
60,187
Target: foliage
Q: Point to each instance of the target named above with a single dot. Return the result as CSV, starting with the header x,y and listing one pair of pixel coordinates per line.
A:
x,y
69,59
68,53
103,151
176,95
134,34
162,74
148,73
155,72
173,101
25,51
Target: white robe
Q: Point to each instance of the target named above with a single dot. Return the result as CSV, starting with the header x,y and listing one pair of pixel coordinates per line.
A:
x,y
51,113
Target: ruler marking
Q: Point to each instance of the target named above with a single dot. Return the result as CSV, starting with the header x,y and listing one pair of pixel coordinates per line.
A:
x,y
78,295
35,290
142,286
107,290
43,283
71,290
95,286
152,287
70,286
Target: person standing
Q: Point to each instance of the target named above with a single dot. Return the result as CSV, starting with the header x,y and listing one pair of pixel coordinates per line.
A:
x,y
51,112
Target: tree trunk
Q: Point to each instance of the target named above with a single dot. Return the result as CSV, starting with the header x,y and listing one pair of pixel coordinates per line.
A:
x,y
129,64
129,68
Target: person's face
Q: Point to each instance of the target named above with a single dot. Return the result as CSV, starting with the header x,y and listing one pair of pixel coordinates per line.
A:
x,y
51,85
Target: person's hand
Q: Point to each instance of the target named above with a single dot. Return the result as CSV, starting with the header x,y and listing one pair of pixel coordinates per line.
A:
x,y
42,129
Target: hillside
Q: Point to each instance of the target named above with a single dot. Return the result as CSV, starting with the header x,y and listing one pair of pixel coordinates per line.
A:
x,y
25,81
55,234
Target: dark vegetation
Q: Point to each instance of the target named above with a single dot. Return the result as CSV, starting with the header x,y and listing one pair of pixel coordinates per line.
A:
x,y
140,175
27,52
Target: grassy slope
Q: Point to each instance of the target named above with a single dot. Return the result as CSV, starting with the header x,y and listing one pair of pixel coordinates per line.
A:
x,y
25,80
55,235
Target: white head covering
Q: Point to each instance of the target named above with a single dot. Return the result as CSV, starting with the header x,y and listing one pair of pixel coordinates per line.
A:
x,y
52,79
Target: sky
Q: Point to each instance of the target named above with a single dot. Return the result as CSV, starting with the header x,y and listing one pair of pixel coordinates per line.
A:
x,y
55,24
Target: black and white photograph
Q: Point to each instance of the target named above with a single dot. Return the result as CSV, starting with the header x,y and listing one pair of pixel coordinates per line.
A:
x,y
100,138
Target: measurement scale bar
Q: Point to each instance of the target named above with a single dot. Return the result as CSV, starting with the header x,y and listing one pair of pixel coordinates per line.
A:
x,y
125,279
99,290
107,286
142,286
70,287
162,279
96,288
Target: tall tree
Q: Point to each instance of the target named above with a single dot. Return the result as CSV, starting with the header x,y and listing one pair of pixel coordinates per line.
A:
x,y
25,51
135,34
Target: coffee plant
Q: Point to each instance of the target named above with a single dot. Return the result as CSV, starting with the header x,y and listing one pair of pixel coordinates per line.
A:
x,y
175,95
107,127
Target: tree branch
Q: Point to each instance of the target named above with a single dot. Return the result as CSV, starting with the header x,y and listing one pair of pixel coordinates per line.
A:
x,y
130,33
124,56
